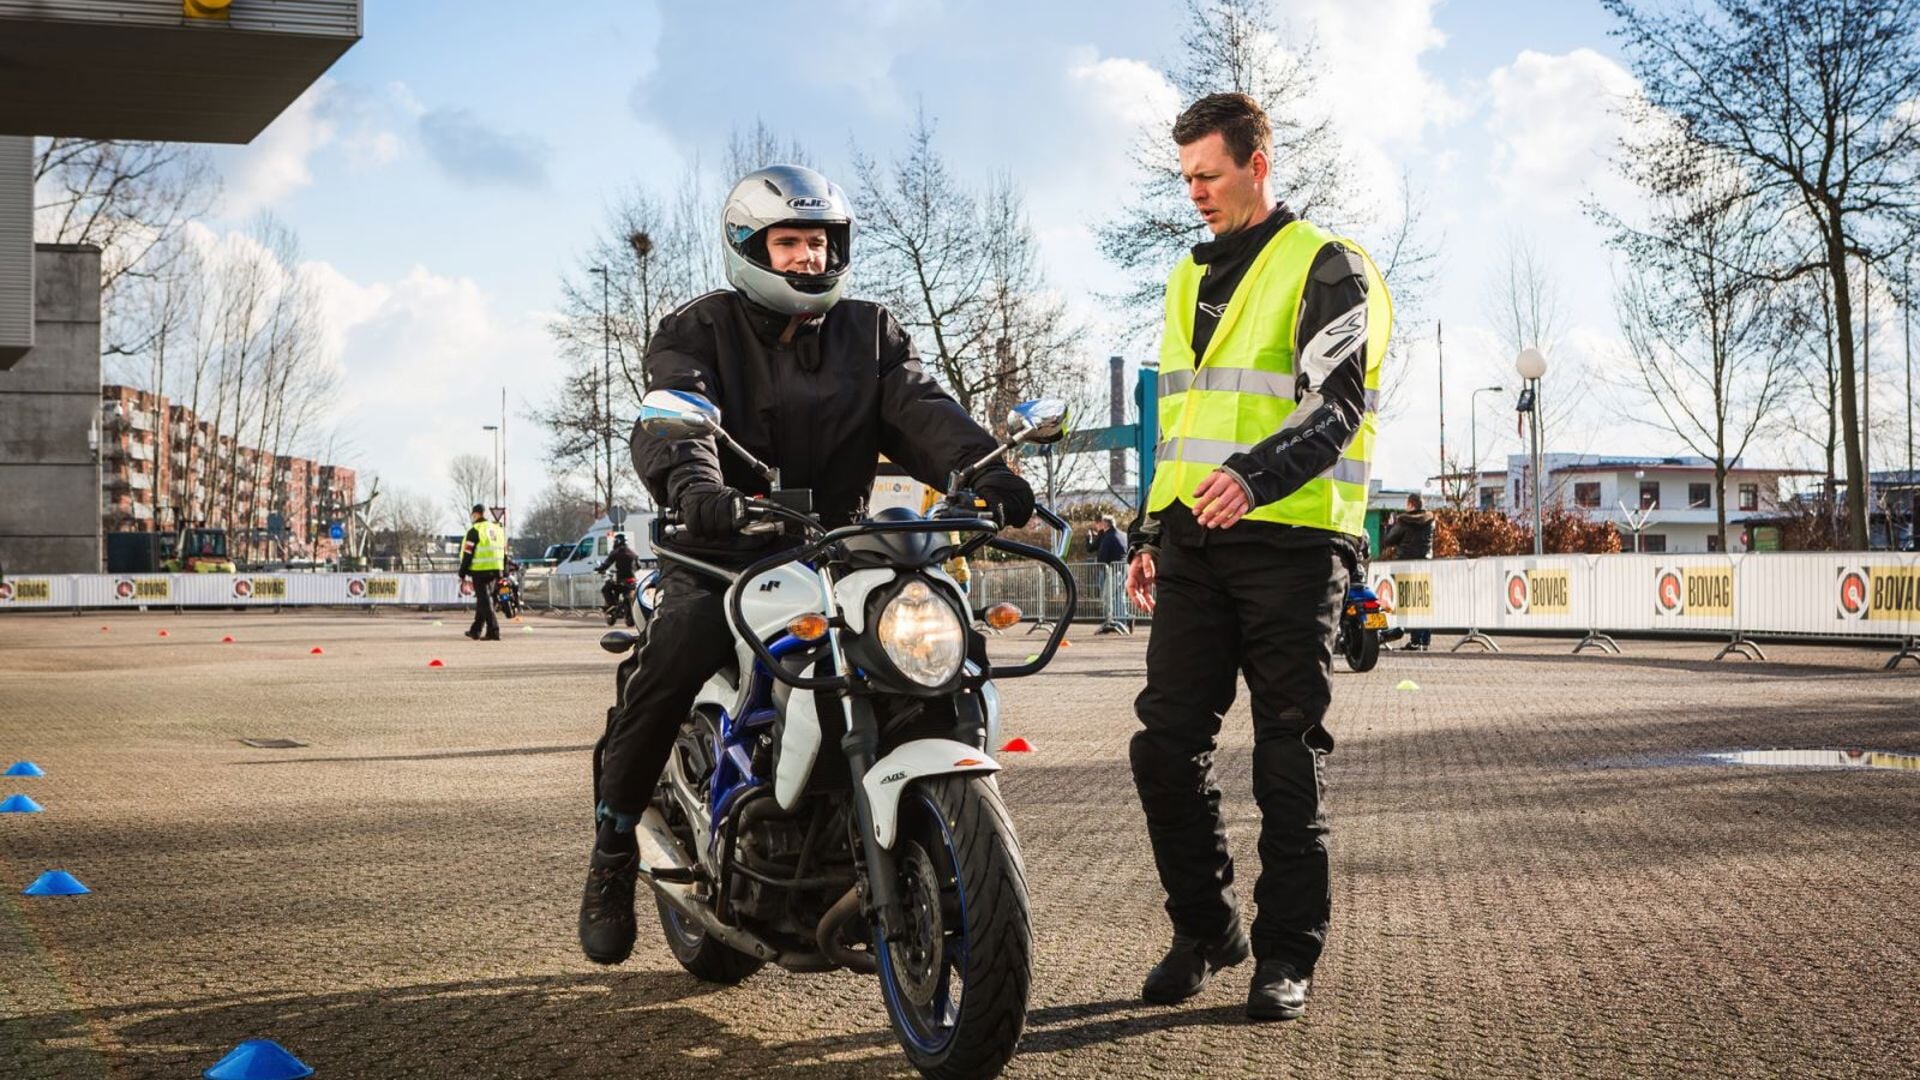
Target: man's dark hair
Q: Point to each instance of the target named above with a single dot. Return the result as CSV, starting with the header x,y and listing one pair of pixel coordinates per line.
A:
x,y
479,508
1416,502
1239,119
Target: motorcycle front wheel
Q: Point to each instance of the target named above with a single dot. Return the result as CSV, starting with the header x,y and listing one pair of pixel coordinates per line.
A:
x,y
956,984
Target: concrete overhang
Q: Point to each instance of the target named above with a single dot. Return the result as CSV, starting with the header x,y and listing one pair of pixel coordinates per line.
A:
x,y
141,69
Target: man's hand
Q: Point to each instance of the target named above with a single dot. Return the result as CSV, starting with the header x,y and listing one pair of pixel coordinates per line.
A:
x,y
712,511
1009,497
1219,501
1140,576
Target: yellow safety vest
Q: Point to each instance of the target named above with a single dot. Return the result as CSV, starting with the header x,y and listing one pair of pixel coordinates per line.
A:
x,y
491,552
1241,391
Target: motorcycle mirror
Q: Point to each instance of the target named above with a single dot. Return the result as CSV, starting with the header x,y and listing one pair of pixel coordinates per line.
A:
x,y
678,414
618,641
1040,421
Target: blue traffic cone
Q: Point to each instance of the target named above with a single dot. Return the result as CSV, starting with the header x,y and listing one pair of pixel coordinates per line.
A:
x,y
56,883
258,1059
24,768
18,804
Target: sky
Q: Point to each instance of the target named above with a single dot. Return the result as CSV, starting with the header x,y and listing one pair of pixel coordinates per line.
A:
x,y
458,160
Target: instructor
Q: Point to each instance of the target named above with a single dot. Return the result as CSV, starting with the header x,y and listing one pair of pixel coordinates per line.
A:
x,y
1269,376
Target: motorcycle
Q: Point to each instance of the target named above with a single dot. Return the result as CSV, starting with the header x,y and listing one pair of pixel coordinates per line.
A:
x,y
1363,628
830,802
622,605
506,596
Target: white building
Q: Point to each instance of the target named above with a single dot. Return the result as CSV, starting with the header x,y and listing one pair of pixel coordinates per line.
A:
x,y
1676,492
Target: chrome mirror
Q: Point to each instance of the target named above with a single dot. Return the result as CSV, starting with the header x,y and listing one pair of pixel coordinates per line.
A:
x,y
678,414
1041,421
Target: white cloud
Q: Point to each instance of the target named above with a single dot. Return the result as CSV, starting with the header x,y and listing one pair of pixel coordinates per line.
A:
x,y
422,362
1371,78
275,164
1555,123
359,120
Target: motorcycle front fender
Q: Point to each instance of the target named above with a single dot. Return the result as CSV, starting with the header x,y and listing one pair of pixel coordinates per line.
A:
x,y
889,777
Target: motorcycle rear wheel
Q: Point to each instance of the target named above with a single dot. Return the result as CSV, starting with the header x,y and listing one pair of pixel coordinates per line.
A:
x,y
1361,649
704,958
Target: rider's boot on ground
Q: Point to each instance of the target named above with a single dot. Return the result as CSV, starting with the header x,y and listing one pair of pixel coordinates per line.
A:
x,y
1279,991
606,907
1184,971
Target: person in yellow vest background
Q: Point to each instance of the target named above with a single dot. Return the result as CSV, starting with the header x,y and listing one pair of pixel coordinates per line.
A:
x,y
483,555
1269,378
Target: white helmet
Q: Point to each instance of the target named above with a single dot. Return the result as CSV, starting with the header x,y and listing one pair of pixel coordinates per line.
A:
x,y
786,195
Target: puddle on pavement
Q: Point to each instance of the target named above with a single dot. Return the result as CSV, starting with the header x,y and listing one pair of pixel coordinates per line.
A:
x,y
1817,759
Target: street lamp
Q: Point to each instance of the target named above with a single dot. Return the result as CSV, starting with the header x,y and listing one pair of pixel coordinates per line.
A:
x,y
1532,364
1473,427
495,428
606,373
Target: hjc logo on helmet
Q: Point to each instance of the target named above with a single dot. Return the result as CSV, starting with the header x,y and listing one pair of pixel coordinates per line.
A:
x,y
808,202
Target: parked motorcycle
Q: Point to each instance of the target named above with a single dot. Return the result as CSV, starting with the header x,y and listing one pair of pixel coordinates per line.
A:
x,y
506,596
1363,627
830,802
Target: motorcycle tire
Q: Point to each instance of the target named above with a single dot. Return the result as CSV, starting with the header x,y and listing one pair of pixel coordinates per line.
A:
x,y
960,872
1361,649
704,958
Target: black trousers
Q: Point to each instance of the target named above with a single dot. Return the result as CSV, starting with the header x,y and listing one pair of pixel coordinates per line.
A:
x,y
484,623
1267,612
687,641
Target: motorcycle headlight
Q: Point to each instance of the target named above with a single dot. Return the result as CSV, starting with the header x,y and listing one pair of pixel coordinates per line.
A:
x,y
922,635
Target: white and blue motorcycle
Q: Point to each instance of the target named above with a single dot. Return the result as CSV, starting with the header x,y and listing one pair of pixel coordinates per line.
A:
x,y
830,802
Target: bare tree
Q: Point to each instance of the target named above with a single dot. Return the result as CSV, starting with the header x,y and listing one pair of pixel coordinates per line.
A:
x,y
1242,46
128,198
1815,99
960,269
560,514
405,526
1697,311
1523,306
472,478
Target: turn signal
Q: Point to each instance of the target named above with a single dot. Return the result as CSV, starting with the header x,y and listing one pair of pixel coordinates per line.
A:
x,y
1001,616
808,627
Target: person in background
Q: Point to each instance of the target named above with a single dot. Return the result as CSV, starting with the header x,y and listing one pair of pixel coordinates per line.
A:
x,y
1109,549
483,554
1410,535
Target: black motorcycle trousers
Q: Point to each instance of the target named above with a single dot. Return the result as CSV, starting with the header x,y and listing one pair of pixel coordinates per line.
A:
x,y
484,622
1269,613
687,641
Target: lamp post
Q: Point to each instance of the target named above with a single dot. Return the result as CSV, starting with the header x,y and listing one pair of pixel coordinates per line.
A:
x,y
1473,427
606,375
495,429
1532,364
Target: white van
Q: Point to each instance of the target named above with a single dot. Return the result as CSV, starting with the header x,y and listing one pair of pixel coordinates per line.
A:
x,y
594,546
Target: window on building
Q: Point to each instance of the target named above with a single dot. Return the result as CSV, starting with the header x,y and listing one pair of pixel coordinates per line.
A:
x,y
1492,498
1749,496
1586,494
1699,496
1713,542
1649,494
1654,542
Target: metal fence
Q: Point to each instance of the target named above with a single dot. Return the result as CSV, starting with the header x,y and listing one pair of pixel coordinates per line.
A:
x,y
1037,592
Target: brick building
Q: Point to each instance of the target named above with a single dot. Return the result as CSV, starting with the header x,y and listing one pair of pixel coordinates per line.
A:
x,y
161,468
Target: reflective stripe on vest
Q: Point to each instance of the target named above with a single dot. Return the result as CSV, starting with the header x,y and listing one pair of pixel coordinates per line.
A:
x,y
491,550
1242,390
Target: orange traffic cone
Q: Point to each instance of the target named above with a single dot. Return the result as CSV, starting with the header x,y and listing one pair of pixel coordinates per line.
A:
x,y
316,651
435,663
228,640
1017,745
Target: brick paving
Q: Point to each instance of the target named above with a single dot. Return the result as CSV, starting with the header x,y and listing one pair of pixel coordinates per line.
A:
x,y
1535,874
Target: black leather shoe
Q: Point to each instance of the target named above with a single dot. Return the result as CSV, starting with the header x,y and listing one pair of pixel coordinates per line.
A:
x,y
606,908
1184,971
474,634
1279,991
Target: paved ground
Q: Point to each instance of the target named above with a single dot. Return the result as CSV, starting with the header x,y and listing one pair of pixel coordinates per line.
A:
x,y
1534,876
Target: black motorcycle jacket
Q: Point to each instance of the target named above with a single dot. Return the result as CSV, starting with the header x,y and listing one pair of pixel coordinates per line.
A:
x,y
624,559
821,408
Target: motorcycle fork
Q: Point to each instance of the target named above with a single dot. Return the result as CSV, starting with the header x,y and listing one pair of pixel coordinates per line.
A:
x,y
861,745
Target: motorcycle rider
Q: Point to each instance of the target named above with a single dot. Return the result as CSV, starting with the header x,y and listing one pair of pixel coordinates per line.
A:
x,y
626,564
812,384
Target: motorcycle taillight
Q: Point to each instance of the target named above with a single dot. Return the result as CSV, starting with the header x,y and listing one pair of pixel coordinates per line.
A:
x,y
1371,605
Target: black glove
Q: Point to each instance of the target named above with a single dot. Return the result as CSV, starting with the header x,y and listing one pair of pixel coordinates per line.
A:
x,y
1009,498
712,511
